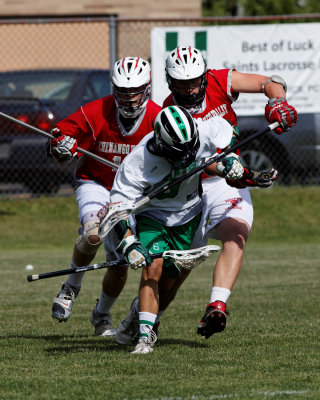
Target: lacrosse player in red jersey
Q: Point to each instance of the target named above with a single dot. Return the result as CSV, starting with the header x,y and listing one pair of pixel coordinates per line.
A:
x,y
206,93
109,127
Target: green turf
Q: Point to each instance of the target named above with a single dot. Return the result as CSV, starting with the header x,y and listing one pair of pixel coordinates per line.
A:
x,y
270,348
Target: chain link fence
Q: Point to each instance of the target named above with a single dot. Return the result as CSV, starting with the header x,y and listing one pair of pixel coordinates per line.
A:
x,y
50,67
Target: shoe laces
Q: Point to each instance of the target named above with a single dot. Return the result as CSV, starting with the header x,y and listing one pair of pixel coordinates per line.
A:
x,y
150,339
69,293
101,318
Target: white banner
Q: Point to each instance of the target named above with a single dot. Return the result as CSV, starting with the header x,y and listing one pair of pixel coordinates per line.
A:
x,y
291,51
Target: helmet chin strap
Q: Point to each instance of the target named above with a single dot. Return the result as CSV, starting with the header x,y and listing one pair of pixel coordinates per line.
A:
x,y
127,122
151,146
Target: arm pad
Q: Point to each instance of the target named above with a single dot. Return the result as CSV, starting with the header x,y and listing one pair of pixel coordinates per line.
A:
x,y
275,79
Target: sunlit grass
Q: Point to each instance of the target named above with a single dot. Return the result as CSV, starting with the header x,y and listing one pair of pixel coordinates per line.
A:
x,y
270,347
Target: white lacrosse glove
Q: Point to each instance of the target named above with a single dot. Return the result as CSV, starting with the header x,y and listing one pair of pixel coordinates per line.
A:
x,y
230,167
63,147
136,255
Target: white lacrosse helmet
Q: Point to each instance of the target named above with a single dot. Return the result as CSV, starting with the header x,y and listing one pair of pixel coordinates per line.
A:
x,y
176,136
186,63
131,77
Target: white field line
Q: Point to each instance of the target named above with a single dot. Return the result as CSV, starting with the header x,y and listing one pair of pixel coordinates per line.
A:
x,y
233,395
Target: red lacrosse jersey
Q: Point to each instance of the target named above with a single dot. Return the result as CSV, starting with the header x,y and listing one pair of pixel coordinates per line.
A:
x,y
96,129
219,96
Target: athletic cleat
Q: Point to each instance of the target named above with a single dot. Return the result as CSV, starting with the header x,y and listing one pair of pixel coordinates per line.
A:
x,y
102,323
145,344
62,304
128,330
214,319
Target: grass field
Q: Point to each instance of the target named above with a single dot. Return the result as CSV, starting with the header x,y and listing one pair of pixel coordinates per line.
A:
x,y
270,348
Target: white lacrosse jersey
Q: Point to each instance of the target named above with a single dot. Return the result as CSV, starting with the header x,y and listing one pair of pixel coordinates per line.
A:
x,y
141,172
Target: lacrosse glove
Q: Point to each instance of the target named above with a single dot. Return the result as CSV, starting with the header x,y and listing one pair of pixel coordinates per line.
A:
x,y
230,167
63,147
134,252
278,110
252,178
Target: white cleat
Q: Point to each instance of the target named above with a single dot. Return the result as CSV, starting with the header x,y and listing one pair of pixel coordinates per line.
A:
x,y
102,324
128,330
145,344
62,304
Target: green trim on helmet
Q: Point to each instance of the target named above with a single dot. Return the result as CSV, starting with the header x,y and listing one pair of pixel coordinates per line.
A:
x,y
180,123
157,128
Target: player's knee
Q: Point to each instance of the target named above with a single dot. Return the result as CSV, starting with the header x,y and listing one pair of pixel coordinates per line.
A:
x,y
89,241
234,232
241,235
235,245
154,271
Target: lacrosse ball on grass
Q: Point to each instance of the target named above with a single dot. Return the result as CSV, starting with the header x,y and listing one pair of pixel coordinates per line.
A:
x,y
29,267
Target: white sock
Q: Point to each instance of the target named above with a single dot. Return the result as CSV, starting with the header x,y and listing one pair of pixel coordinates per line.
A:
x,y
146,322
219,293
75,280
105,303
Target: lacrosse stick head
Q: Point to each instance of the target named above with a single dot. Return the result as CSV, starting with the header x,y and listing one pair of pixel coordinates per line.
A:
x,y
189,259
111,214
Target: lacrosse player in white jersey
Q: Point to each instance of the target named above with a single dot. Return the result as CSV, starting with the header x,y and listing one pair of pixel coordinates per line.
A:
x,y
170,220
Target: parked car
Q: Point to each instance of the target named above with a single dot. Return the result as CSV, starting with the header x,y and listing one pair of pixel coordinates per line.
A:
x,y
295,154
41,98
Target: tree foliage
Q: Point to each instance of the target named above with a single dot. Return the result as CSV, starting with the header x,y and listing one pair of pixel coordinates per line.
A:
x,y
222,8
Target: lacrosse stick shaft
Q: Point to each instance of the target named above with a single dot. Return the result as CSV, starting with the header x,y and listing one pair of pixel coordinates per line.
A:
x,y
176,255
49,136
93,267
114,217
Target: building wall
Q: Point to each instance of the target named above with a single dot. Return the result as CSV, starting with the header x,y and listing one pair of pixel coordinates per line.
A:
x,y
121,8
85,44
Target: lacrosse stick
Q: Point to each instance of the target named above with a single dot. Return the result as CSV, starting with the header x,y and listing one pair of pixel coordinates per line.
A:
x,y
49,136
112,213
186,259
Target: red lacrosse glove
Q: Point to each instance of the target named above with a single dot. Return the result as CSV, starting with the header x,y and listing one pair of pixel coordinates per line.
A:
x,y
278,110
254,179
63,147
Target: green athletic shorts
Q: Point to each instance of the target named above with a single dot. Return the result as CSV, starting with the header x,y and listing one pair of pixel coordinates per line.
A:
x,y
158,238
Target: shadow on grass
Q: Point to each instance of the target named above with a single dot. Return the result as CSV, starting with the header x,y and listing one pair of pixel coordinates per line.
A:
x,y
7,213
107,346
81,343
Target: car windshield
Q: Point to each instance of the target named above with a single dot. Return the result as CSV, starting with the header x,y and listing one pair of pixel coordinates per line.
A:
x,y
40,85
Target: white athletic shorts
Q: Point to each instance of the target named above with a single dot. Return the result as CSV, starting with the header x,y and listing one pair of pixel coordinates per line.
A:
x,y
221,201
91,197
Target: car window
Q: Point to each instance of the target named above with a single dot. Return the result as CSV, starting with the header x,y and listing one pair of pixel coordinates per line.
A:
x,y
59,92
100,84
38,85
90,93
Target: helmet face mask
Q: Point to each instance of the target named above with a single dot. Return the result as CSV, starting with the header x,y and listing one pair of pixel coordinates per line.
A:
x,y
176,136
130,102
131,85
187,76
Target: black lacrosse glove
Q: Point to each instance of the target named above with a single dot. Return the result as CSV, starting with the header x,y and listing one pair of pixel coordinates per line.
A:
x,y
252,178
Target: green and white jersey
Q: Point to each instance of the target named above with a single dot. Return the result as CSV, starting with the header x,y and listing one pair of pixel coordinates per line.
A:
x,y
141,172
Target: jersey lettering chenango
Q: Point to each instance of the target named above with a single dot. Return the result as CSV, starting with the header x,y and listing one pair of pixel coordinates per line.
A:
x,y
219,97
96,128
115,148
